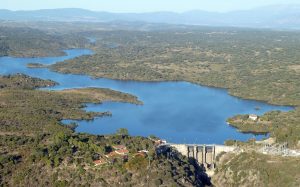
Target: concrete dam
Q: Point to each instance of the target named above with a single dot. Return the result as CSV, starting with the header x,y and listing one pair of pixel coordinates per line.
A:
x,y
205,155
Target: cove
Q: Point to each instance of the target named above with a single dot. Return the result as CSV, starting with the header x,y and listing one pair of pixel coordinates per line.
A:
x,y
179,112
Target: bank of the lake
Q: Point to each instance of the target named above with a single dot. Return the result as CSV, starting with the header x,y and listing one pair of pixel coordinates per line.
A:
x,y
180,112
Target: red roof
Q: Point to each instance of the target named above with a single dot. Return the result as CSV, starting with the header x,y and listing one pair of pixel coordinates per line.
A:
x,y
122,151
111,154
99,162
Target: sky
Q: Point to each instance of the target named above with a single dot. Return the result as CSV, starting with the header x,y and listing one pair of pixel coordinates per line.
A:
x,y
143,5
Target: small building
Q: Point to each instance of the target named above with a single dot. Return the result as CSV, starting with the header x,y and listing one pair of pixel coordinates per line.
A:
x,y
122,152
100,162
111,155
253,117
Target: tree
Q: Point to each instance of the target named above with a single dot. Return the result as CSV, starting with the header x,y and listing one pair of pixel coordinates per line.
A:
x,y
122,131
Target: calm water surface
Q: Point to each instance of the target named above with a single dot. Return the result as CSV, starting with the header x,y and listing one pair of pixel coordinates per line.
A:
x,y
180,112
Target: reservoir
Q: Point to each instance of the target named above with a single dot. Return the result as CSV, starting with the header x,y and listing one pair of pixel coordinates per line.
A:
x,y
179,112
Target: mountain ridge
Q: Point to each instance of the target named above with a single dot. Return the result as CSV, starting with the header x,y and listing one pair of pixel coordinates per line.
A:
x,y
284,17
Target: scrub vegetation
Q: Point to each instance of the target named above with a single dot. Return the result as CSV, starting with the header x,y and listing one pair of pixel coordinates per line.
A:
x,y
28,42
37,150
255,169
252,64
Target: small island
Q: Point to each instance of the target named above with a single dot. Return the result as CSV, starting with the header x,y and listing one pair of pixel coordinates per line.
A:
x,y
36,65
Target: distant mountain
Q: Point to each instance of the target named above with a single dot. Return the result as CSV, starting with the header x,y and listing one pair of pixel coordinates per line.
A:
x,y
285,17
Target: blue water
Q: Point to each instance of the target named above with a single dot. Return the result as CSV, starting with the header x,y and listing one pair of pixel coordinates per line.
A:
x,y
179,112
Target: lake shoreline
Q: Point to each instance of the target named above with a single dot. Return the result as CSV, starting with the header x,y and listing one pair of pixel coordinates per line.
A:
x,y
128,86
167,81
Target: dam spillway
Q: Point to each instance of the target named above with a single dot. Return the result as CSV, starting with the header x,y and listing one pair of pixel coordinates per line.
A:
x,y
205,155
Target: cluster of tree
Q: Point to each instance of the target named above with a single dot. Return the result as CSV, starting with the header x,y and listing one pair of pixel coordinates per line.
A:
x,y
27,42
23,81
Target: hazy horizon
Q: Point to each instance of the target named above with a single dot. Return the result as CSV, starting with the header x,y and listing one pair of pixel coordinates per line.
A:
x,y
136,6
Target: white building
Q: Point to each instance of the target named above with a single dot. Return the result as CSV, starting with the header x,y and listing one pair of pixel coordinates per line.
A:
x,y
253,117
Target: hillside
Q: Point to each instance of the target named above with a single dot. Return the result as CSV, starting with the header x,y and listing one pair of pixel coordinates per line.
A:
x,y
250,168
37,150
27,42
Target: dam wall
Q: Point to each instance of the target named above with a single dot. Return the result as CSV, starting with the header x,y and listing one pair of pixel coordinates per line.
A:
x,y
205,155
